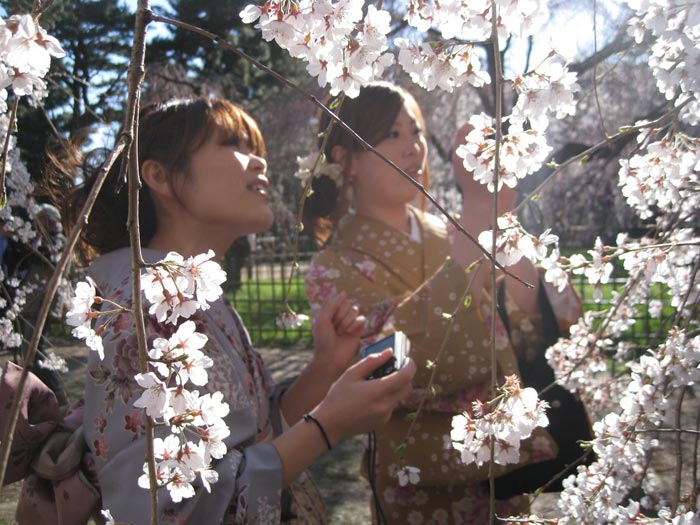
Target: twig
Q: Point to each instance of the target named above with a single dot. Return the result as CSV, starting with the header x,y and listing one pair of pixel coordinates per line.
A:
x,y
679,455
595,68
295,87
624,131
6,152
51,289
498,94
302,203
694,495
445,338
135,77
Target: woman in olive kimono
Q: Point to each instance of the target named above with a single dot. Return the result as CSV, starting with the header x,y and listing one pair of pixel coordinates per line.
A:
x,y
202,163
403,270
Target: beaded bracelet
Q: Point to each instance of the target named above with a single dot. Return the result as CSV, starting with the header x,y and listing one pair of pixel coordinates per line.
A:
x,y
309,417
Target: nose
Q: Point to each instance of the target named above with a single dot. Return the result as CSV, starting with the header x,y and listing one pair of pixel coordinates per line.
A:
x,y
257,164
416,146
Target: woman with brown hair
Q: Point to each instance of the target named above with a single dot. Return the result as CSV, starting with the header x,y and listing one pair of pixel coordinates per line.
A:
x,y
203,166
398,264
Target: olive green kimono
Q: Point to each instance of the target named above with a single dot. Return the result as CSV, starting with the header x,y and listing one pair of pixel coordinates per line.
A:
x,y
401,284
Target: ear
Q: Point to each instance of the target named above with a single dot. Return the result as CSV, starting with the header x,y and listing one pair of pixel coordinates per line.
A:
x,y
156,177
340,155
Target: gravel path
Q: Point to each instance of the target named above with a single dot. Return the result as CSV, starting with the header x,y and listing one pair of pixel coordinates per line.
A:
x,y
337,473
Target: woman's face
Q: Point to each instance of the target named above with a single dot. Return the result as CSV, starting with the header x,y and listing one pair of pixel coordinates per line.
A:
x,y
226,190
376,183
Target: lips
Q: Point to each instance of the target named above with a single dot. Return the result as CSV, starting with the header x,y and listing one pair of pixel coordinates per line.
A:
x,y
260,186
415,173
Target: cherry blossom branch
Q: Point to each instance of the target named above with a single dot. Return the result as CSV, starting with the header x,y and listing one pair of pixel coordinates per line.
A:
x,y
584,155
135,77
448,330
216,39
678,455
696,444
302,202
5,152
51,288
563,472
686,297
498,139
595,68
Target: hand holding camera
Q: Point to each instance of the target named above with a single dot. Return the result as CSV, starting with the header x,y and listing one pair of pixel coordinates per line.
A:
x,y
401,347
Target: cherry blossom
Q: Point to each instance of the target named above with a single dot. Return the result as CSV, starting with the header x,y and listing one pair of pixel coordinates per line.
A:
x,y
155,397
315,165
522,152
342,49
177,287
291,319
408,475
504,421
81,314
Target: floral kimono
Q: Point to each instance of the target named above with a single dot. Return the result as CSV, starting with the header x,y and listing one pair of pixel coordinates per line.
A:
x,y
249,488
401,284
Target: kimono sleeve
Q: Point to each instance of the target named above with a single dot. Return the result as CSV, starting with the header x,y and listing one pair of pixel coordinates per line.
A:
x,y
249,483
381,297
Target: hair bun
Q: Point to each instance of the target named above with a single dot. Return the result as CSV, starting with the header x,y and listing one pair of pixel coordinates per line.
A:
x,y
324,197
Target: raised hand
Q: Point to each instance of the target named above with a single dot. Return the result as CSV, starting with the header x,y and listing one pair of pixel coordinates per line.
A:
x,y
355,405
336,334
475,195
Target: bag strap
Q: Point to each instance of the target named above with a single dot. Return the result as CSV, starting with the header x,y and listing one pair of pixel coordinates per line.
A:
x,y
501,305
550,326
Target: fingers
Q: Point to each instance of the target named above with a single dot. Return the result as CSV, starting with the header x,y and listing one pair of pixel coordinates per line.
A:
x,y
364,367
330,308
357,326
399,380
346,316
342,314
461,134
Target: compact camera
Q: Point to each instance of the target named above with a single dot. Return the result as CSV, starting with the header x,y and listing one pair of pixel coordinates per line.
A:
x,y
401,346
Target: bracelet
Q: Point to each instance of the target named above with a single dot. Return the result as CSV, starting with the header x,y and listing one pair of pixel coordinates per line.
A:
x,y
309,417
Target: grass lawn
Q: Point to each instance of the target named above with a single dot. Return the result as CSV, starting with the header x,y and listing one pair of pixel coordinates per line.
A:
x,y
260,301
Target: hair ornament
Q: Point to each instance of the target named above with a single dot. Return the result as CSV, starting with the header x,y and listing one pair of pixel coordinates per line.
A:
x,y
315,165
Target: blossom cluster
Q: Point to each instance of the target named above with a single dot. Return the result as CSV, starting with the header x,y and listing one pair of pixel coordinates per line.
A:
x,y
25,57
175,288
451,62
675,53
597,269
501,424
623,438
514,242
472,20
664,178
445,66
522,152
343,48
316,165
547,89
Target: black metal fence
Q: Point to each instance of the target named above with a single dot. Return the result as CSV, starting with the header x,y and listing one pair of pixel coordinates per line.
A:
x,y
264,282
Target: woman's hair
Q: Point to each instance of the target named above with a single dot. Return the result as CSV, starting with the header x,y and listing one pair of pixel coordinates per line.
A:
x,y
371,115
169,133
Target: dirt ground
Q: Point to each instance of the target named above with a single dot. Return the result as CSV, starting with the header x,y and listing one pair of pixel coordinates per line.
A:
x,y
337,473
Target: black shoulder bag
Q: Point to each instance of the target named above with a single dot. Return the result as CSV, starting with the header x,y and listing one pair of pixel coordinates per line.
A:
x,y
568,421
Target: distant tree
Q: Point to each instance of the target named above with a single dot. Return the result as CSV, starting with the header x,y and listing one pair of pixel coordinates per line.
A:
x,y
208,66
88,85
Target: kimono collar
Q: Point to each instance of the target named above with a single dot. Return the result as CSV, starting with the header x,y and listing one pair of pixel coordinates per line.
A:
x,y
414,262
111,269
